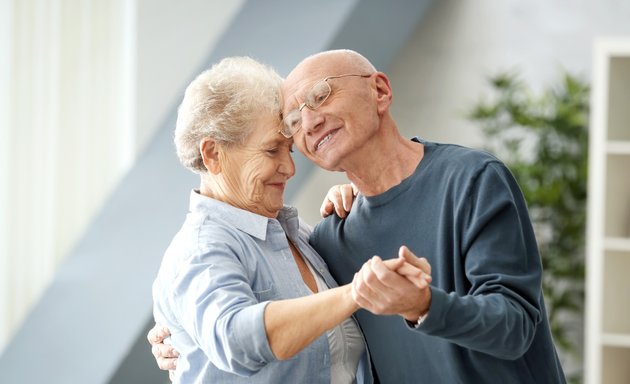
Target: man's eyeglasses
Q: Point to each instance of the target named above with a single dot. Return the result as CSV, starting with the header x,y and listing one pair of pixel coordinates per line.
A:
x,y
314,98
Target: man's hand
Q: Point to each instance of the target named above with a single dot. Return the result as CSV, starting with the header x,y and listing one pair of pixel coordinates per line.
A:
x,y
165,355
339,200
398,286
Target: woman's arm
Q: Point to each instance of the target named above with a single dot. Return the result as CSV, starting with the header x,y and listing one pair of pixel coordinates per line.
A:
x,y
293,324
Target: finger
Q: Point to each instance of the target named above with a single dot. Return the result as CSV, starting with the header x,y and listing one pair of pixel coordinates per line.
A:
x,y
355,190
335,195
412,259
395,281
333,202
157,334
368,287
167,364
394,264
347,196
375,270
152,337
412,274
387,278
327,208
163,351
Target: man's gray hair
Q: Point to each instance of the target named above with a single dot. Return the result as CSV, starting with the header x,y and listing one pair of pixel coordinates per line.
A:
x,y
223,102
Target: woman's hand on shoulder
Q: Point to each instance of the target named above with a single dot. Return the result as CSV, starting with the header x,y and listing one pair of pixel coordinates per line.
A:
x,y
339,200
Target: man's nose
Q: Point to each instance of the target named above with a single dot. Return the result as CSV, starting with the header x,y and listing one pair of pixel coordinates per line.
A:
x,y
311,120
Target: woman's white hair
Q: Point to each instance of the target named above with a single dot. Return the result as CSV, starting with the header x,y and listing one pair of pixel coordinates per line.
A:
x,y
222,103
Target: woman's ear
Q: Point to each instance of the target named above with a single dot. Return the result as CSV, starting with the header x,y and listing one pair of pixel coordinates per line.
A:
x,y
209,149
383,92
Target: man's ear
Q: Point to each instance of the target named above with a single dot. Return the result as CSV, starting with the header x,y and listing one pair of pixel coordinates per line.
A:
x,y
383,92
209,149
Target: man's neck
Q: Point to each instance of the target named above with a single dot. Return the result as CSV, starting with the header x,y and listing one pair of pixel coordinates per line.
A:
x,y
384,164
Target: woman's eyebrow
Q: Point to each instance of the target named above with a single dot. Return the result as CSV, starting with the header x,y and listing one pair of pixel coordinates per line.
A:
x,y
275,140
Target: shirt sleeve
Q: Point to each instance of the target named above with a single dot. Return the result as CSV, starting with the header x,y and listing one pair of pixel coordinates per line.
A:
x,y
220,311
500,313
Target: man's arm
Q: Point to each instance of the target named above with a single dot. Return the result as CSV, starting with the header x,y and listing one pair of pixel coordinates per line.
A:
x,y
502,308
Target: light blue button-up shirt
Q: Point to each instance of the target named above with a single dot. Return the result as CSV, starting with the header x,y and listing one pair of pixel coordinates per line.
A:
x,y
217,276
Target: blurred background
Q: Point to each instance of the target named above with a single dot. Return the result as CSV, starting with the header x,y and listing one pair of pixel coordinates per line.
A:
x,y
91,192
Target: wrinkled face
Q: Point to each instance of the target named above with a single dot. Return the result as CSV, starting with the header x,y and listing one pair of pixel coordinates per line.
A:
x,y
256,172
330,134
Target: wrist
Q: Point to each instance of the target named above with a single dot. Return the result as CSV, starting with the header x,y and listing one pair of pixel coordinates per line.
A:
x,y
417,321
347,297
419,313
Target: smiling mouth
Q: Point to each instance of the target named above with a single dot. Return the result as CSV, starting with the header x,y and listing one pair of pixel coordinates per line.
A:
x,y
277,185
324,140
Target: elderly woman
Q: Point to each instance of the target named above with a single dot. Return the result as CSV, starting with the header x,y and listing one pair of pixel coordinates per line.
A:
x,y
244,295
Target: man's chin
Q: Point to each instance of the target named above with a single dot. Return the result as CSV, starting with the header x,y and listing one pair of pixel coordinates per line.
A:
x,y
328,163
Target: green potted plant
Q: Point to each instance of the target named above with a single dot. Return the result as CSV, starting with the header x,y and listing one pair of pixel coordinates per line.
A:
x,y
544,141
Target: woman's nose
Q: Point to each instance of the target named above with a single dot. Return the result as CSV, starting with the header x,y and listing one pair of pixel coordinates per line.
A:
x,y
287,166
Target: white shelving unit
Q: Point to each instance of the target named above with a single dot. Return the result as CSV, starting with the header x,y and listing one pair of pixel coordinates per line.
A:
x,y
607,350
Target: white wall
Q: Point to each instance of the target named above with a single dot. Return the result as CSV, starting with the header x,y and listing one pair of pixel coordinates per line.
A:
x,y
64,130
443,68
174,40
85,85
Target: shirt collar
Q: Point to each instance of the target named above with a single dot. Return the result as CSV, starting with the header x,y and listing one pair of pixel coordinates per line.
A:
x,y
251,223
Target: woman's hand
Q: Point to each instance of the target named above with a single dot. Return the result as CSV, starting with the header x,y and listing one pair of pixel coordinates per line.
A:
x,y
339,199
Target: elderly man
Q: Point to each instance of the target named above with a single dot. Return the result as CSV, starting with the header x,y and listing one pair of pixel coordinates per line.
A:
x,y
483,319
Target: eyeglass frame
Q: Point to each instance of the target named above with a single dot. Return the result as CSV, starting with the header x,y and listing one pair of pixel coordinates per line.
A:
x,y
283,131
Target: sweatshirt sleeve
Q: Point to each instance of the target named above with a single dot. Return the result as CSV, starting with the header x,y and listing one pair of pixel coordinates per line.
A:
x,y
500,313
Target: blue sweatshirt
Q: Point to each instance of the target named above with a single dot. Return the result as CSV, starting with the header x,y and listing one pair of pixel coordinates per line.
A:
x,y
464,212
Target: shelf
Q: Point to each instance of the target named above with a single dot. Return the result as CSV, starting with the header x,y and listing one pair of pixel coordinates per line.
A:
x,y
615,367
619,99
620,340
615,295
621,244
617,200
618,147
607,349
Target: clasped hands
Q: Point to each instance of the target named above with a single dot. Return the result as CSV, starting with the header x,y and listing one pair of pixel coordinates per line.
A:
x,y
398,286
